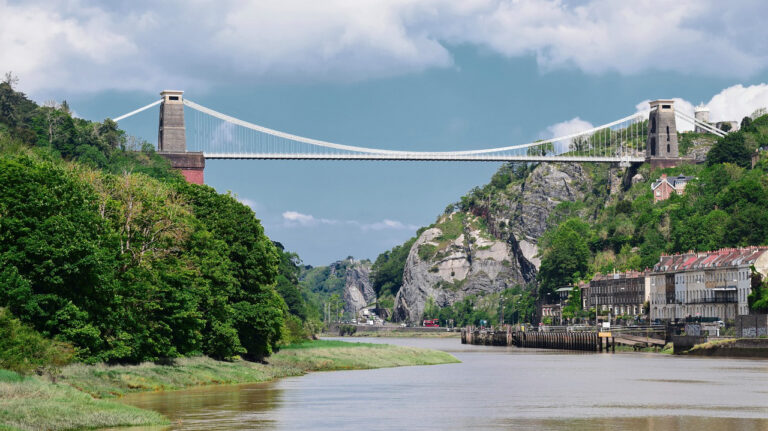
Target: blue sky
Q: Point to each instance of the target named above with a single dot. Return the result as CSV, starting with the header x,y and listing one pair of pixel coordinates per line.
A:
x,y
421,75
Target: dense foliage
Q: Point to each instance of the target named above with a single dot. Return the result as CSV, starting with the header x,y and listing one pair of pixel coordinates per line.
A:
x,y
621,228
23,350
387,270
725,205
515,305
110,250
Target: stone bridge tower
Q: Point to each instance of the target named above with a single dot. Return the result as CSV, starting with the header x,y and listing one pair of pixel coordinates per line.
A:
x,y
661,147
172,141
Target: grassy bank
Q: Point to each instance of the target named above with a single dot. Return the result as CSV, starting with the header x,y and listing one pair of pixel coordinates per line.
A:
x,y
666,350
402,334
72,403
732,348
29,403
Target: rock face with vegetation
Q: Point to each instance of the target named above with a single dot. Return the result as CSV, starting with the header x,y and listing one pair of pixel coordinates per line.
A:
x,y
358,291
489,240
453,259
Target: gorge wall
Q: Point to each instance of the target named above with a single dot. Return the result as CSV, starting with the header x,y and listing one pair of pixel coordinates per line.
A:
x,y
492,243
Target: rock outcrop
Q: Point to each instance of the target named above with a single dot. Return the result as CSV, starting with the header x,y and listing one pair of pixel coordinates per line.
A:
x,y
497,247
358,291
448,270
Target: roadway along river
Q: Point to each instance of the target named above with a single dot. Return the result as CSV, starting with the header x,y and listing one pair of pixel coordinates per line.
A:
x,y
493,388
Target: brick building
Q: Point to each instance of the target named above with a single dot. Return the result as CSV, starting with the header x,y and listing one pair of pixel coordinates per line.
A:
x,y
618,293
665,186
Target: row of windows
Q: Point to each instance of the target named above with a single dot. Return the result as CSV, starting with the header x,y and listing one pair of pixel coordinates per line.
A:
x,y
713,276
703,295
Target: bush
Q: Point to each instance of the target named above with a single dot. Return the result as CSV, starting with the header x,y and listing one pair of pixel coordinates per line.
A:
x,y
347,330
24,350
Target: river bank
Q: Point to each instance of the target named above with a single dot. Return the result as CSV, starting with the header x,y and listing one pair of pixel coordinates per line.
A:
x,y
80,397
494,387
732,348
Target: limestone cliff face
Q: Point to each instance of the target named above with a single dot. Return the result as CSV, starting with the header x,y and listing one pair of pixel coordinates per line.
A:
x,y
448,270
527,206
497,246
358,291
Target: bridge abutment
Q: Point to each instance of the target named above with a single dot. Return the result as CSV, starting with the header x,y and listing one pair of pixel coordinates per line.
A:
x,y
172,140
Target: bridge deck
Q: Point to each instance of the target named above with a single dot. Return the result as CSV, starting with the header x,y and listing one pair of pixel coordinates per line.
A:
x,y
420,157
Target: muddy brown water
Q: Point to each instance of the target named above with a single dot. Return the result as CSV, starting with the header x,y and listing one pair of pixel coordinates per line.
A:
x,y
493,388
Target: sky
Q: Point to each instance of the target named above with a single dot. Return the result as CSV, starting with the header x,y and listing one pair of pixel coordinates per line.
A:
x,y
429,75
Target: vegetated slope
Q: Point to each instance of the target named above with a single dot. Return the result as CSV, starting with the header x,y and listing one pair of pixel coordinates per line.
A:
x,y
488,241
549,225
343,286
110,250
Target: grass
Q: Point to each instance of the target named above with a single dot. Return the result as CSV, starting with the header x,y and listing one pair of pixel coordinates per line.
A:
x,y
105,381
28,403
403,334
31,403
666,350
713,343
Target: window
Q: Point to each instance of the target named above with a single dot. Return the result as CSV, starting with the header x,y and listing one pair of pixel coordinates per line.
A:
x,y
666,106
173,97
653,146
653,124
667,137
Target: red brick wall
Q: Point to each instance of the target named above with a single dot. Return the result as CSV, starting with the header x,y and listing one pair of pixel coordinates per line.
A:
x,y
193,176
665,163
665,190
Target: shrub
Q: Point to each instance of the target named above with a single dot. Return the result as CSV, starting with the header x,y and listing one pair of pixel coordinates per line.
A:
x,y
24,350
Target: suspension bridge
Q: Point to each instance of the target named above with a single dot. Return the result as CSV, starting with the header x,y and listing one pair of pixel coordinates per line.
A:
x,y
204,134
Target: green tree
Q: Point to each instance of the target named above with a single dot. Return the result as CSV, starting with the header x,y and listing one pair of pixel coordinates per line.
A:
x,y
730,149
566,256
387,270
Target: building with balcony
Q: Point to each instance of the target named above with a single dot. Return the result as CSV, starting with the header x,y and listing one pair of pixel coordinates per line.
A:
x,y
711,284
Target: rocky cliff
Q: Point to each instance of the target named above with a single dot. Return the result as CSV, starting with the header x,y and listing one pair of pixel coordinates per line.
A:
x,y
358,291
491,243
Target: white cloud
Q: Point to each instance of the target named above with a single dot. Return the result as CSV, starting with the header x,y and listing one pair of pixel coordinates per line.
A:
x,y
388,224
565,128
737,102
295,218
85,45
730,104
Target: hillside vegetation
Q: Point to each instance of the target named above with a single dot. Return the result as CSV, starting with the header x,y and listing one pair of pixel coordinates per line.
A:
x,y
103,247
604,219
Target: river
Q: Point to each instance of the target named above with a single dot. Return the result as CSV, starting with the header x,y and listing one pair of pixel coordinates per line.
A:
x,y
493,388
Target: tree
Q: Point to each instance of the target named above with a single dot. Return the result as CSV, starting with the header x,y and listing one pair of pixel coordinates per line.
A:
x,y
566,256
258,309
387,270
730,149
543,149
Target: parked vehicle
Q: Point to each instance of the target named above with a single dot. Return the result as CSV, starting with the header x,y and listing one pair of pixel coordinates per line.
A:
x,y
431,323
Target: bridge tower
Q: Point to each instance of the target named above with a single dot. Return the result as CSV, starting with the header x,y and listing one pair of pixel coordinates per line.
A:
x,y
661,148
172,141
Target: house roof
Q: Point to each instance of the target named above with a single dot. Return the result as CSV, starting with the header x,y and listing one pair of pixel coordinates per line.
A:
x,y
618,275
723,258
679,180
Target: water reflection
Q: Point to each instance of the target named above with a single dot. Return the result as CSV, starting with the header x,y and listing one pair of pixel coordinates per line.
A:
x,y
493,388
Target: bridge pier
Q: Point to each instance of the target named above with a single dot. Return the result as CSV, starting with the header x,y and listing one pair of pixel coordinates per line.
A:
x,y
172,140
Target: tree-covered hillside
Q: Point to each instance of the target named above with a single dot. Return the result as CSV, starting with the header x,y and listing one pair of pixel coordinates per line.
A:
x,y
606,218
108,249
